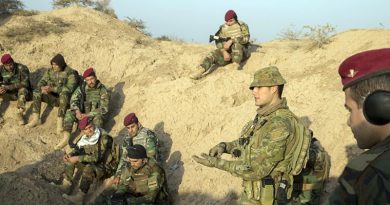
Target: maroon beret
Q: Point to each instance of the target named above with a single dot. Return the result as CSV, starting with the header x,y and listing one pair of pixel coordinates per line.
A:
x,y
130,119
6,59
89,72
230,14
83,123
364,65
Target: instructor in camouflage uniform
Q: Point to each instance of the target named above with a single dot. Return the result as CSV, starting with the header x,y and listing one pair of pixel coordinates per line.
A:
x,y
265,147
14,84
55,88
366,179
90,99
232,45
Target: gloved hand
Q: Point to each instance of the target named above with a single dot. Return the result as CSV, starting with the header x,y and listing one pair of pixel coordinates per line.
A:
x,y
218,150
205,160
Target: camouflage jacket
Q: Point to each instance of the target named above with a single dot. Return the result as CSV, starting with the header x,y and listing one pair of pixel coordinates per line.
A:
x,y
62,81
144,184
366,179
239,32
95,99
146,138
95,153
18,78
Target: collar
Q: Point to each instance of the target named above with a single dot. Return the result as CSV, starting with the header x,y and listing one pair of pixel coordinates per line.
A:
x,y
265,111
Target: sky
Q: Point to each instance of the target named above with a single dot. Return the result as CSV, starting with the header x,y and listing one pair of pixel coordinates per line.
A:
x,y
195,20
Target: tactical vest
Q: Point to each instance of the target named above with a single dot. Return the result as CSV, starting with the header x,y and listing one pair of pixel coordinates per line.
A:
x,y
92,97
8,78
59,78
232,31
142,137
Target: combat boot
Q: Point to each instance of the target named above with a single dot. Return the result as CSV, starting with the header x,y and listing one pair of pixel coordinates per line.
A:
x,y
60,125
198,73
36,120
63,142
19,116
77,198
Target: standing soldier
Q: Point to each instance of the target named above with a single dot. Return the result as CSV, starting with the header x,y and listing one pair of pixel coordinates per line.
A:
x,y
271,149
365,180
55,88
232,41
14,84
89,99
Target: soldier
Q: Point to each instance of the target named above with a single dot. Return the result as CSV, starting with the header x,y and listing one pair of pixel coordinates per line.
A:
x,y
268,147
142,180
232,45
55,88
89,99
137,134
14,84
365,180
88,157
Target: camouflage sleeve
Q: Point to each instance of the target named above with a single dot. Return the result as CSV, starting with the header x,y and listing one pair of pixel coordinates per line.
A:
x,y
103,105
121,160
96,157
151,145
75,99
244,39
70,85
43,81
264,157
24,79
154,186
231,145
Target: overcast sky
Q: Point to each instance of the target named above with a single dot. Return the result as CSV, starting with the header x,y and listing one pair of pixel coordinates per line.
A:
x,y
194,20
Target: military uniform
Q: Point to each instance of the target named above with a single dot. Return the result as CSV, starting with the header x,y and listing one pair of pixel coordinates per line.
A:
x,y
144,137
95,104
92,161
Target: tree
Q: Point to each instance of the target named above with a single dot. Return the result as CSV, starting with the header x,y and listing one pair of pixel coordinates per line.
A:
x,y
10,6
99,5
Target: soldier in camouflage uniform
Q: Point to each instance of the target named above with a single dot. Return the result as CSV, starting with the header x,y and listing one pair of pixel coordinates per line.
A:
x,y
232,45
55,88
266,147
137,134
365,180
88,157
14,84
89,99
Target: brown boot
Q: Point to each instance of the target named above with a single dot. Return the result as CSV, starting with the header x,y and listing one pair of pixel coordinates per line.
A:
x,y
36,120
63,142
198,73
19,116
60,125
77,198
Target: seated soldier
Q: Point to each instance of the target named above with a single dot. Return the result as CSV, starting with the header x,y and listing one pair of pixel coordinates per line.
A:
x,y
89,99
232,45
142,180
88,157
14,84
55,88
137,134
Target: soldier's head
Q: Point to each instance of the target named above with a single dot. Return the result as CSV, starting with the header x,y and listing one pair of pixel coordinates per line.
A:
x,y
58,63
136,156
362,74
89,76
267,86
230,17
86,126
132,124
8,62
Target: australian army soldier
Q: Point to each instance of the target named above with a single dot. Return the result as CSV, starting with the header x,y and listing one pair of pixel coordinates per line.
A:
x,y
232,40
55,88
365,180
268,147
89,99
14,84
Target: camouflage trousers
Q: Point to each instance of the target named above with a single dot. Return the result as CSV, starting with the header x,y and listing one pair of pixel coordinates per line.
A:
x,y
53,99
21,96
237,52
70,118
89,173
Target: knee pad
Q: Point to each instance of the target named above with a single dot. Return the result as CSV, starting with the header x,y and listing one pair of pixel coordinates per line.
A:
x,y
376,107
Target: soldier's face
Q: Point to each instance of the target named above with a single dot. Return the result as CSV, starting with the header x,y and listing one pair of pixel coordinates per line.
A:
x,y
55,67
231,22
133,129
91,81
9,67
135,163
263,95
89,130
362,130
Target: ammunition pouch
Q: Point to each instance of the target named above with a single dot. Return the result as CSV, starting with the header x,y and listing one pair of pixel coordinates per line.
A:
x,y
267,195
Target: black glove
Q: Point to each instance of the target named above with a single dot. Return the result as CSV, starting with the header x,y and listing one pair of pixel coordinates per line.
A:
x,y
218,150
282,193
206,160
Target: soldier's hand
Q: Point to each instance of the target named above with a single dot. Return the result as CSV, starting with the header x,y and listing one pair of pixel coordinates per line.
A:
x,y
73,159
226,56
66,157
227,44
44,90
79,115
205,160
2,90
218,150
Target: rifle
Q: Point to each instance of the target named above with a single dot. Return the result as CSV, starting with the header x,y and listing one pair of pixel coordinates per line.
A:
x,y
218,38
82,97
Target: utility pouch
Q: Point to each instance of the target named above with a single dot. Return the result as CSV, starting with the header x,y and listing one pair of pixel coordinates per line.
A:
x,y
267,191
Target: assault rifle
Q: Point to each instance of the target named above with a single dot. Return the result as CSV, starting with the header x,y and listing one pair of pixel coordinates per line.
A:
x,y
218,38
82,97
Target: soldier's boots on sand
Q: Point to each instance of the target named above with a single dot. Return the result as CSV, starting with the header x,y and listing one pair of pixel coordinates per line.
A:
x,y
198,73
19,116
63,142
35,120
77,198
60,125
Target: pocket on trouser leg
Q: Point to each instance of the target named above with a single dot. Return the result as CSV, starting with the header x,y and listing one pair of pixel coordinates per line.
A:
x,y
267,193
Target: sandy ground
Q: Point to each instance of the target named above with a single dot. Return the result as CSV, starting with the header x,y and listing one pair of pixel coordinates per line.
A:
x,y
150,77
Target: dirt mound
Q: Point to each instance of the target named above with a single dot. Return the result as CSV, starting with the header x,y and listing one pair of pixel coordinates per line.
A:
x,y
149,77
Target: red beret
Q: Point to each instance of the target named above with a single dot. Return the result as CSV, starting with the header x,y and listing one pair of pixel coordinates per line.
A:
x,y
89,72
230,14
130,119
364,65
83,123
6,59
